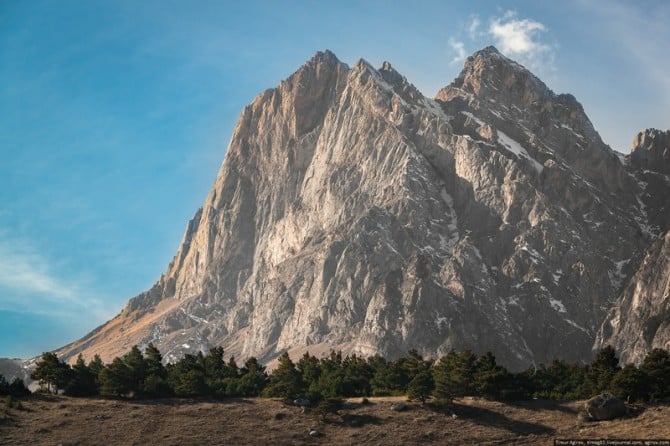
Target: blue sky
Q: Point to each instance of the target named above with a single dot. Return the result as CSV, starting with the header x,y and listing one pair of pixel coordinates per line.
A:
x,y
115,116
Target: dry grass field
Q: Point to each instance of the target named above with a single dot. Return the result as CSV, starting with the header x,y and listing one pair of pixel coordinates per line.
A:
x,y
51,420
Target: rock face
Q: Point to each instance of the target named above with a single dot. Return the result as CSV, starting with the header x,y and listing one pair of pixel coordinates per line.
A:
x,y
650,162
640,320
651,151
13,368
352,212
604,407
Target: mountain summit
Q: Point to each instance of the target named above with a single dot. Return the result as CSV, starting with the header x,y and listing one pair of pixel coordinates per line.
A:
x,y
351,212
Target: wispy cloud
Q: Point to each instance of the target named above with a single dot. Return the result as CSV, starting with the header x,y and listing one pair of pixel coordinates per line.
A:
x,y
516,37
29,282
23,270
473,27
458,48
635,29
521,39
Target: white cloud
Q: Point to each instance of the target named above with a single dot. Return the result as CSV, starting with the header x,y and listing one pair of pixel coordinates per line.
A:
x,y
473,27
521,40
23,270
517,37
458,48
29,283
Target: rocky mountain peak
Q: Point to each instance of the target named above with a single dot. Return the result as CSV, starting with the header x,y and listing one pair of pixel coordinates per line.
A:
x,y
391,75
651,151
351,212
325,56
554,128
489,72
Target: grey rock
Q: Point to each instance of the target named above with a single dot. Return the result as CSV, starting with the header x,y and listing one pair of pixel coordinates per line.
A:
x,y
651,151
304,402
640,320
399,406
353,213
603,407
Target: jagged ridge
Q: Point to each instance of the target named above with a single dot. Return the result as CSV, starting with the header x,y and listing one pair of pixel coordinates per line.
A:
x,y
352,212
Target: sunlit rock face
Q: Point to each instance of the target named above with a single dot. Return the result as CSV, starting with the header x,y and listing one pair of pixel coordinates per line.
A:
x,y
640,320
351,212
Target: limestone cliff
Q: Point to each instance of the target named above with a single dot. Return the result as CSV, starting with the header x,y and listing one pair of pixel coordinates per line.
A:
x,y
640,319
352,212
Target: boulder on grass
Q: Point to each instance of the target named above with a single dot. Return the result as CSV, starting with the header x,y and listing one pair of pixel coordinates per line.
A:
x,y
603,407
399,406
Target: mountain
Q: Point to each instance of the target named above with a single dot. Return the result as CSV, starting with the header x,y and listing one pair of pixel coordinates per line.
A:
x,y
351,212
14,368
640,319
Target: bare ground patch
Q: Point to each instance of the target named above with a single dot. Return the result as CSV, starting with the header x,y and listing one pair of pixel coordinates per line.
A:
x,y
68,421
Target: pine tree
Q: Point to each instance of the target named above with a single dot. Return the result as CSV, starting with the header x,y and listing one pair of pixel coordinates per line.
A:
x,y
155,384
253,378
357,376
52,374
601,372
388,378
560,380
328,406
137,370
285,380
413,364
309,368
115,379
454,375
231,383
96,365
17,388
214,365
489,378
631,384
215,372
231,369
656,366
4,386
421,386
82,380
187,377
154,361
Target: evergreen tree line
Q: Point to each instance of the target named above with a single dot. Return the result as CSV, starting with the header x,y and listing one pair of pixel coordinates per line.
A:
x,y
454,375
15,388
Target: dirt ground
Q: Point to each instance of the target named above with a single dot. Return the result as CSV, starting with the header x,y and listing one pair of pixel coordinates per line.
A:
x,y
51,420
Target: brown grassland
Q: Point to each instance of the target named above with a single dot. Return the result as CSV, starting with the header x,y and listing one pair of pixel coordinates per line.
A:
x,y
57,420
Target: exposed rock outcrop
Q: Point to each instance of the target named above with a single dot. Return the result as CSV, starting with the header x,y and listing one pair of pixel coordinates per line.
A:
x,y
651,151
352,212
640,320
603,407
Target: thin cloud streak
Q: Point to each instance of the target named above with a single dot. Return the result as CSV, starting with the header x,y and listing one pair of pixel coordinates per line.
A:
x,y
459,49
473,28
521,40
24,271
29,284
518,38
628,20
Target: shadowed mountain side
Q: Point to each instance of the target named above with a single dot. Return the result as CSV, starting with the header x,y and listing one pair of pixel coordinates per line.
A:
x,y
351,212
